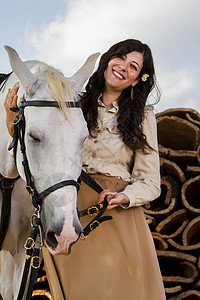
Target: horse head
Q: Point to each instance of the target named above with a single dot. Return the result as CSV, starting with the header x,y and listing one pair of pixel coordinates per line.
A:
x,y
54,144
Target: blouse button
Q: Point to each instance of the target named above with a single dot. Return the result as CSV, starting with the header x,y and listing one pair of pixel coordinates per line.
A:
x,y
93,155
91,169
104,120
95,141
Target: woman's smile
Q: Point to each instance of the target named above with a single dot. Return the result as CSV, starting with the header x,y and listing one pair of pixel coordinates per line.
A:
x,y
118,75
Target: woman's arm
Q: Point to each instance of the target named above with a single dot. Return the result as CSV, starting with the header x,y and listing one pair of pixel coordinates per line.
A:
x,y
146,170
145,184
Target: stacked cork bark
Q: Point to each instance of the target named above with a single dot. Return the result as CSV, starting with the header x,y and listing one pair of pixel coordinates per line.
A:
x,y
174,218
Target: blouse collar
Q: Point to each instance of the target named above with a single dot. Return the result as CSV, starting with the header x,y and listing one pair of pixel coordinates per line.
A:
x,y
114,108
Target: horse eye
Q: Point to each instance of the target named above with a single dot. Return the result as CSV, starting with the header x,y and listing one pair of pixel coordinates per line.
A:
x,y
34,138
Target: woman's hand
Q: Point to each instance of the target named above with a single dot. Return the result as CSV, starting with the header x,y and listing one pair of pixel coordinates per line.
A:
x,y
11,103
114,199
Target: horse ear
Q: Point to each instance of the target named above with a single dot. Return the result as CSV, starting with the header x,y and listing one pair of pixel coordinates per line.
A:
x,y
82,75
25,76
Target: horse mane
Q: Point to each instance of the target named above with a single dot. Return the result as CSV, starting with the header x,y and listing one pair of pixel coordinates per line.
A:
x,y
57,84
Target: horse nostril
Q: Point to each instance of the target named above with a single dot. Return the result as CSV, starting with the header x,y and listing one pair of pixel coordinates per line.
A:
x,y
51,239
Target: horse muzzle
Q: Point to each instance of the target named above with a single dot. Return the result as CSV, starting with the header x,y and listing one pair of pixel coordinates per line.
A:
x,y
62,243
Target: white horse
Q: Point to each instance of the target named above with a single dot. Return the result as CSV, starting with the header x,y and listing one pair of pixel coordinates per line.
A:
x,y
54,145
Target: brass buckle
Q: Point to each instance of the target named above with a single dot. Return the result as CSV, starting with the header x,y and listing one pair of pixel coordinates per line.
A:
x,y
30,190
89,211
20,118
91,225
31,245
38,260
96,209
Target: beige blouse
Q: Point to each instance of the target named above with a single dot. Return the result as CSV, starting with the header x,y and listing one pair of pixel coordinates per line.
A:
x,y
107,154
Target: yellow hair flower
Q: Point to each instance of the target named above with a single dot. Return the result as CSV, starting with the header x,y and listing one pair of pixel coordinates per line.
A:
x,y
144,77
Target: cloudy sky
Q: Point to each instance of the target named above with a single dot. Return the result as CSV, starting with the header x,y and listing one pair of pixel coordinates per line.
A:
x,y
64,33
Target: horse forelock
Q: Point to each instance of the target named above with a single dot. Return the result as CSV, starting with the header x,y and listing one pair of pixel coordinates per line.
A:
x,y
58,85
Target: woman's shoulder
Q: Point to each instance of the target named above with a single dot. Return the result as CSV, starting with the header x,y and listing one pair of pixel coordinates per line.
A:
x,y
149,116
148,108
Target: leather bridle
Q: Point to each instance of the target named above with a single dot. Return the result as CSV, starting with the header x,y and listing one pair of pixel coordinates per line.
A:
x,y
19,134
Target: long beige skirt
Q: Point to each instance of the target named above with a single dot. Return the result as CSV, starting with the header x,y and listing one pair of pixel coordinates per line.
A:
x,y
116,262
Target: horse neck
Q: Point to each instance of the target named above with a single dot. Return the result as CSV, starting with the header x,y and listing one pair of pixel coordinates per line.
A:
x,y
7,166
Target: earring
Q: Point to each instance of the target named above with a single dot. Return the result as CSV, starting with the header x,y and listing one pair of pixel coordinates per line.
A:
x,y
132,93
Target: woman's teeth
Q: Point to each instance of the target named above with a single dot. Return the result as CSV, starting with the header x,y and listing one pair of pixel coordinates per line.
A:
x,y
118,75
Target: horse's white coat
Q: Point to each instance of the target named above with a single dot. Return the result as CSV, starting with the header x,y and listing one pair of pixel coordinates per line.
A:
x,y
55,157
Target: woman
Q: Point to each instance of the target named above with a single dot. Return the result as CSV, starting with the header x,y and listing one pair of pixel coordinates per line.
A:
x,y
118,260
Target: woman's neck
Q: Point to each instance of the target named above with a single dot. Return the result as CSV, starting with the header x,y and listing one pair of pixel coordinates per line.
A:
x,y
108,98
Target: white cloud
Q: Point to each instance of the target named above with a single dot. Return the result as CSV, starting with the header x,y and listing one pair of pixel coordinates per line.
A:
x,y
176,90
176,84
170,27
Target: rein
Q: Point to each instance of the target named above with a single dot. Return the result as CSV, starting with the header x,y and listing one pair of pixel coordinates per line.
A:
x,y
6,187
95,211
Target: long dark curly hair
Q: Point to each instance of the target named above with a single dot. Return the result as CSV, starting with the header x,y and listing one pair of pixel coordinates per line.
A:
x,y
131,112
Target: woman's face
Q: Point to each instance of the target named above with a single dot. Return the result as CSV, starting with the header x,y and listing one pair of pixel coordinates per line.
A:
x,y
122,72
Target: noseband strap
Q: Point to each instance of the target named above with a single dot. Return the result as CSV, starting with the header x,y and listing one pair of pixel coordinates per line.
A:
x,y
56,187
